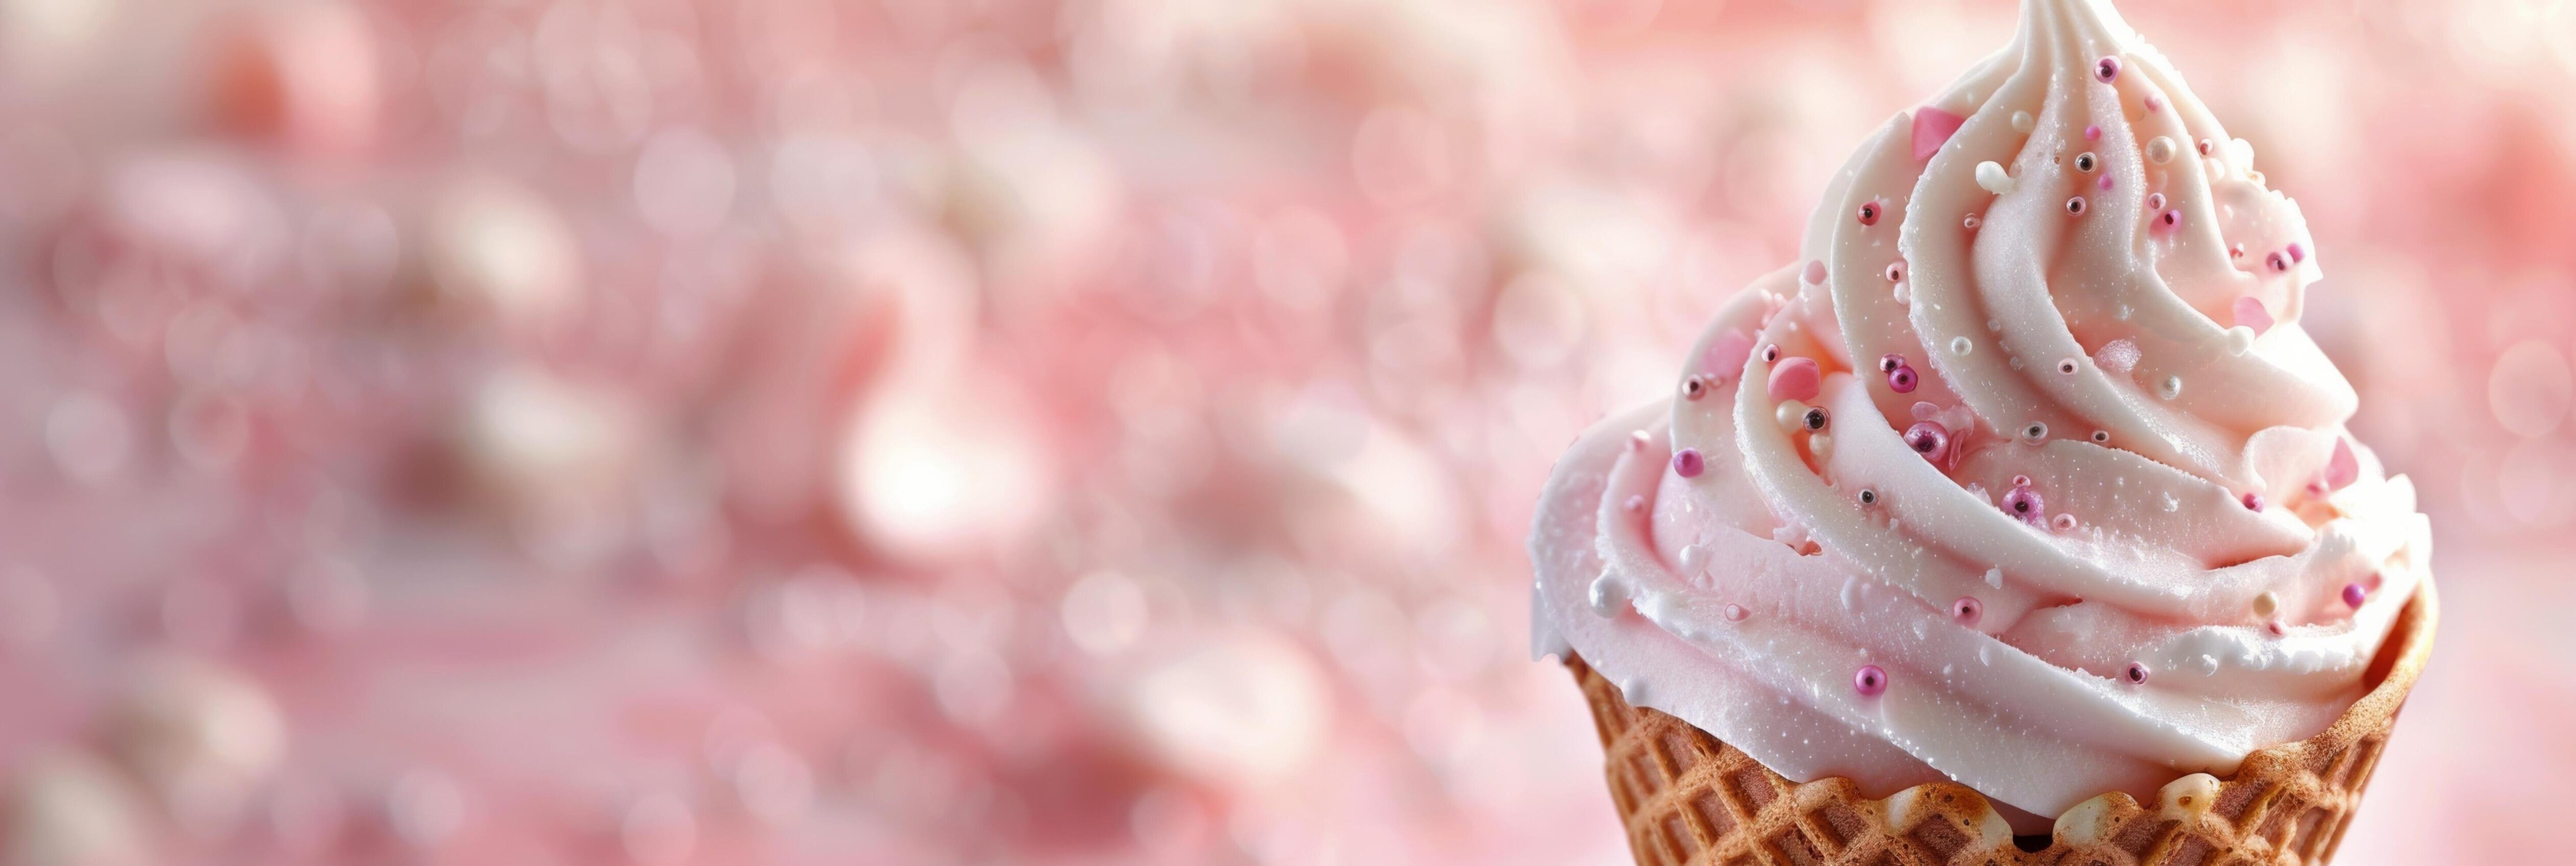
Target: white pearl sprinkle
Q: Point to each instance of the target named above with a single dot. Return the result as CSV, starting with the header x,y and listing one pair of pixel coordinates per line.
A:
x,y
2160,150
1991,176
2023,122
1821,445
2172,387
1792,415
1961,345
2240,340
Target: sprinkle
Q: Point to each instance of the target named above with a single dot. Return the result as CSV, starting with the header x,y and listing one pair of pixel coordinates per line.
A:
x,y
1821,445
2278,261
2025,503
2354,595
1771,353
1895,272
2160,150
1970,223
2207,148
2240,340
2253,501
2023,122
1902,379
1929,439
2107,68
2075,206
1790,414
2266,603
1694,387
1736,613
2092,133
1636,503
1932,128
1868,496
2276,628
1796,379
2068,366
2154,102
1962,345
2171,388
2156,201
1888,363
1991,176
2034,434
2137,673
2251,313
2086,162
1869,213
2170,219
1815,273
2101,436
1815,419
1870,681
2298,253
2104,183
2064,522
1967,610
1688,463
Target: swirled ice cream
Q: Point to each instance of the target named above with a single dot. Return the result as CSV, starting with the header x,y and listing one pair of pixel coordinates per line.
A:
x,y
2026,476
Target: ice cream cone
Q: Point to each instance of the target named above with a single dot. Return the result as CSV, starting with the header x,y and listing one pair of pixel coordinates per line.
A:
x,y
1688,799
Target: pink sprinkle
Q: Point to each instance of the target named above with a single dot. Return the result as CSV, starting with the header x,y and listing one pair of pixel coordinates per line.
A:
x,y
1903,379
2171,218
1929,439
1967,610
2093,133
1736,613
2106,182
1815,273
1932,128
2155,102
1796,379
2107,68
2137,673
1870,681
2250,313
1869,211
2156,201
2276,628
2354,595
2298,253
2277,261
1688,463
2253,501
2343,468
1636,503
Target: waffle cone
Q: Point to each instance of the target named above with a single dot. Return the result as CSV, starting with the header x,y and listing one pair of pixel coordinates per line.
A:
x,y
1689,799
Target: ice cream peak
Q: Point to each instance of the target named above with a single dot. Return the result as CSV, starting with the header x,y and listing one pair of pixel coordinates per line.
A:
x,y
2026,475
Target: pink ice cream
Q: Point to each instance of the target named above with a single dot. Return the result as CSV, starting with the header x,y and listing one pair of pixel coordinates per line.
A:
x,y
2026,476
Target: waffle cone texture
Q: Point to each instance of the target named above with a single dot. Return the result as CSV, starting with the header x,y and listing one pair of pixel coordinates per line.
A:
x,y
1688,799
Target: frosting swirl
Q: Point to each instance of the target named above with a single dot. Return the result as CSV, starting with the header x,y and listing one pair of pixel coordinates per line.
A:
x,y
2034,430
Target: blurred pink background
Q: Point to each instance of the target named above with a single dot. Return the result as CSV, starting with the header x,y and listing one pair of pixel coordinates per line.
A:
x,y
1032,432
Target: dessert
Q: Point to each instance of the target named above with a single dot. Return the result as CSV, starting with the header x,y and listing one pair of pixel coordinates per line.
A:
x,y
2025,478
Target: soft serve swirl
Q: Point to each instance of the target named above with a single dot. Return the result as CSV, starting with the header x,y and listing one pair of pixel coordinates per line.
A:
x,y
2026,477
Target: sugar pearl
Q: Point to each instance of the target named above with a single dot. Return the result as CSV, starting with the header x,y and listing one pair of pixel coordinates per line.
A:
x,y
2107,69
2137,673
2025,503
2160,150
1736,613
1870,681
2354,595
1967,610
1688,463
1929,439
1869,213
1902,380
2266,603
